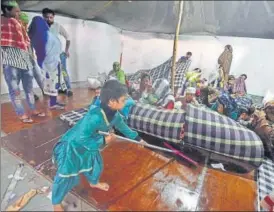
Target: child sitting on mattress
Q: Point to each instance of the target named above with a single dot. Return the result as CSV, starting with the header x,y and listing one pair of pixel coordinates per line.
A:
x,y
77,152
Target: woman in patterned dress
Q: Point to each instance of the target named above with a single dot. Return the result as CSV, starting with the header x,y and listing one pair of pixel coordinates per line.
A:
x,y
48,49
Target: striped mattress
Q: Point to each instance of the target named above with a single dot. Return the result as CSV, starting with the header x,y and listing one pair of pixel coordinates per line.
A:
x,y
202,128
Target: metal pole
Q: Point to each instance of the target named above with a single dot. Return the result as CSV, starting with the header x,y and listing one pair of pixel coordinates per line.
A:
x,y
122,48
137,142
173,68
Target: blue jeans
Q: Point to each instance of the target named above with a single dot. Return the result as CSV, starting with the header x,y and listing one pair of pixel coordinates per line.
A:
x,y
64,70
13,76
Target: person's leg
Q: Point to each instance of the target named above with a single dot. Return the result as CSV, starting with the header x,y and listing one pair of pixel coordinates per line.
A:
x,y
51,89
27,82
64,72
54,105
38,77
94,175
60,188
12,77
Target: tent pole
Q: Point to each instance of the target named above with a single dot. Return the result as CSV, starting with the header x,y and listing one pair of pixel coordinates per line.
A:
x,y
173,68
122,48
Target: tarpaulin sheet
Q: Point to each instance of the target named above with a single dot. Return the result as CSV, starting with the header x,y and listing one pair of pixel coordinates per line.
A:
x,y
222,18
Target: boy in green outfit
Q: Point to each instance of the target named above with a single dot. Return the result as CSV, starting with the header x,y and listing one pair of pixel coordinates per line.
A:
x,y
78,149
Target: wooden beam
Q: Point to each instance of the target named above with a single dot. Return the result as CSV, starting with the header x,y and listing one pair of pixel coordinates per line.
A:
x,y
173,68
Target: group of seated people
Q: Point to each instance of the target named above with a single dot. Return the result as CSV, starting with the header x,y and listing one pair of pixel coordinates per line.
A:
x,y
229,99
160,95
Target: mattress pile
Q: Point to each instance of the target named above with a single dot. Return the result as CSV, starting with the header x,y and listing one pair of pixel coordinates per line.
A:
x,y
164,124
265,180
213,131
163,71
201,126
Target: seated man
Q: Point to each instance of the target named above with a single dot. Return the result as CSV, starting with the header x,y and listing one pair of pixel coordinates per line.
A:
x,y
189,98
144,87
118,73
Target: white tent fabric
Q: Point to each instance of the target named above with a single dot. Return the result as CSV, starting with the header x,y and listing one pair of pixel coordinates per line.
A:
x,y
222,18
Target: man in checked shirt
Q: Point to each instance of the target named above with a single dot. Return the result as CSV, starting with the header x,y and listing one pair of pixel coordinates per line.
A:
x,y
58,29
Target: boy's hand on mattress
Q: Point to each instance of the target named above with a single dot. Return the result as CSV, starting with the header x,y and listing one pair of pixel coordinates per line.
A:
x,y
110,138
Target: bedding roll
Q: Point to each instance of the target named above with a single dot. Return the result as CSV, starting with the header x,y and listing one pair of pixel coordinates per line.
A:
x,y
164,124
213,131
202,127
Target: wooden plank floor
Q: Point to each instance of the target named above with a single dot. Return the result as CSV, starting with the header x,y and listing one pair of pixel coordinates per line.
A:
x,y
10,123
139,178
224,192
173,188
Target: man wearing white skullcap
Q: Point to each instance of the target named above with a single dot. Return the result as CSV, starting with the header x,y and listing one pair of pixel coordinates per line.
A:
x,y
189,98
190,90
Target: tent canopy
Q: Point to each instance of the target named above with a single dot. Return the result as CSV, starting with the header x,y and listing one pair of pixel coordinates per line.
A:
x,y
221,18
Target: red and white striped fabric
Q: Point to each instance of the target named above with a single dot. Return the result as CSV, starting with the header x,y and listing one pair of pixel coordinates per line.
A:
x,y
13,34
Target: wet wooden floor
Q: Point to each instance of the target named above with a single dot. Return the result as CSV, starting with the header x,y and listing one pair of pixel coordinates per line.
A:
x,y
10,123
140,179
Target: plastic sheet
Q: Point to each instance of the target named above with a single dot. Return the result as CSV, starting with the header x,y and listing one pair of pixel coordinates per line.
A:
x,y
227,18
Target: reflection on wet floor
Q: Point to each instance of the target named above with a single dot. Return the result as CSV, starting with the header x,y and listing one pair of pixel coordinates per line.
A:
x,y
227,192
141,179
145,180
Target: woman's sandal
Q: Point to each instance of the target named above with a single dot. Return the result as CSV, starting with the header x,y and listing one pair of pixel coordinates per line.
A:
x,y
40,114
26,120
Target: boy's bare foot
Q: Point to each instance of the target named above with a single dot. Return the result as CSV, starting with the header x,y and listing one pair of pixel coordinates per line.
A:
x,y
101,186
58,208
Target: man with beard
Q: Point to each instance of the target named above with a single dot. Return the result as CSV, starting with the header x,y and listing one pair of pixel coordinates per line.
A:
x,y
58,29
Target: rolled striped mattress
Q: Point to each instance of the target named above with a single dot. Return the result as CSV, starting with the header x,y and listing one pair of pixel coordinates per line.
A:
x,y
202,127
